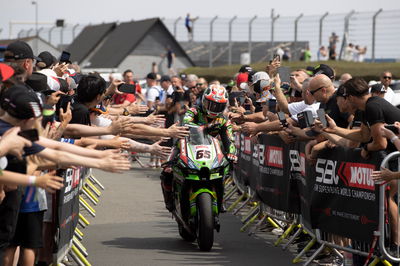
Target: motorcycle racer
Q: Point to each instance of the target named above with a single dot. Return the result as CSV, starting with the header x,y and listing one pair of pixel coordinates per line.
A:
x,y
208,114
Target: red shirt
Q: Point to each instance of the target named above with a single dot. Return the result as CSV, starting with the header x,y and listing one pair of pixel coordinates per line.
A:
x,y
242,77
121,98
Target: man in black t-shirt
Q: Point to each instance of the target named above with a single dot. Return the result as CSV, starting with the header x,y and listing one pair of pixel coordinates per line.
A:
x,y
90,92
321,87
376,112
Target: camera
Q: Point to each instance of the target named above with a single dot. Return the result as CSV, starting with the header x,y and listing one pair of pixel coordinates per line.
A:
x,y
305,119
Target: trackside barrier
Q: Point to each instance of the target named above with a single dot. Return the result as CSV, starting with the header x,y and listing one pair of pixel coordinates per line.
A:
x,y
81,189
388,252
334,200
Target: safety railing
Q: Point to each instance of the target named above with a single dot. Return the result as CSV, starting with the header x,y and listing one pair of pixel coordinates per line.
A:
x,y
78,197
337,173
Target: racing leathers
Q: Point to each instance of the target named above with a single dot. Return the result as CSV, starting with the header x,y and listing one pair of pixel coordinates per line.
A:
x,y
218,126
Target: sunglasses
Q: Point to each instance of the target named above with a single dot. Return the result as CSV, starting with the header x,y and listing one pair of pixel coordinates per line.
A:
x,y
387,77
314,91
199,84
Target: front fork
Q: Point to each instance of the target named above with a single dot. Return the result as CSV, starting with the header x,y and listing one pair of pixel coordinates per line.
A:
x,y
193,206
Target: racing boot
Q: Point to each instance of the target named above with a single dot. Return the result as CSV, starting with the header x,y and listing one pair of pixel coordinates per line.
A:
x,y
166,186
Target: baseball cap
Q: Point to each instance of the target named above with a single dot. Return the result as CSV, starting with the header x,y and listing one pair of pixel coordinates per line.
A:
x,y
261,75
378,88
38,82
46,59
165,78
151,76
260,81
324,69
19,50
22,103
6,72
245,68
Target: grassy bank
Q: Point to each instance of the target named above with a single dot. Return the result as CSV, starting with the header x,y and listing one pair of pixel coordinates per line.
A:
x,y
367,71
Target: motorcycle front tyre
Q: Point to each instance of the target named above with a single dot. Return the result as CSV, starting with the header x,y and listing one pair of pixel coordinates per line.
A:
x,y
205,222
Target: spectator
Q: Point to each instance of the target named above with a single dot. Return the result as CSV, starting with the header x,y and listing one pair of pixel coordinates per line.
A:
x,y
90,91
386,79
359,53
322,54
333,39
378,90
287,55
170,55
21,53
152,92
344,77
126,99
349,52
321,87
189,26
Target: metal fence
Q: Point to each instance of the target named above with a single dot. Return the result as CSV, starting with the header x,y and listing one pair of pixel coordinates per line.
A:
x,y
315,29
380,38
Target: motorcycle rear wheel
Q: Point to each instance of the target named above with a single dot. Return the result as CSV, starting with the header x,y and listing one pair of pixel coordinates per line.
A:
x,y
205,222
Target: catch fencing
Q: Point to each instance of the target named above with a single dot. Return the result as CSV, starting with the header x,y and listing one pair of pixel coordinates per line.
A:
x,y
377,30
334,199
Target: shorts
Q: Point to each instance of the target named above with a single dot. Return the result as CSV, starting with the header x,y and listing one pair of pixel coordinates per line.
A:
x,y
29,230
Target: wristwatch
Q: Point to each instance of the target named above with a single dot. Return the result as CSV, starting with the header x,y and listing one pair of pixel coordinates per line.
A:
x,y
126,112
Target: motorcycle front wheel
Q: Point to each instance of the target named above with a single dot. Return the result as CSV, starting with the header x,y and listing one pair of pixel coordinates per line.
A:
x,y
205,222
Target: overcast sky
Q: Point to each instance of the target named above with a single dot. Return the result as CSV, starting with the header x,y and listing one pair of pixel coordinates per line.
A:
x,y
94,11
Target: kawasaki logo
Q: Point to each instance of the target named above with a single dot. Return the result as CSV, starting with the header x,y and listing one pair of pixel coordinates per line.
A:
x,y
274,156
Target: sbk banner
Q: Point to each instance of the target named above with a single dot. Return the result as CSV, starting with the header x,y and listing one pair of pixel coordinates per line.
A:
x,y
300,171
275,187
67,209
344,196
263,167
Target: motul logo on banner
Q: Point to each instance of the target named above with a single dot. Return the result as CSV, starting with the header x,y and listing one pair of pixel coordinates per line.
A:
x,y
357,175
247,145
274,156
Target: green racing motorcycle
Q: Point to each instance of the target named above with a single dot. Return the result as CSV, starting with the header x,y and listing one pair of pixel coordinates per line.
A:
x,y
198,187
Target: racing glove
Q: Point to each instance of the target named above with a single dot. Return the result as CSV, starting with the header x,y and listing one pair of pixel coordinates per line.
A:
x,y
232,157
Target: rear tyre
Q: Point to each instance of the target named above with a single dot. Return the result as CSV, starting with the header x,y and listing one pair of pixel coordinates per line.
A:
x,y
187,236
205,222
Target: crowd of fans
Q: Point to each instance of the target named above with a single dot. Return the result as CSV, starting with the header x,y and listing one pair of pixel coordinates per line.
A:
x,y
82,120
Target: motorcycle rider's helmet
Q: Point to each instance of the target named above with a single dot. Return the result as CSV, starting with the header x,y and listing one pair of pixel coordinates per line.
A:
x,y
214,100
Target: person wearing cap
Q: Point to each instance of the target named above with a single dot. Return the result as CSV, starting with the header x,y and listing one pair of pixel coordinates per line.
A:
x,y
21,53
46,60
23,108
324,69
243,75
378,90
